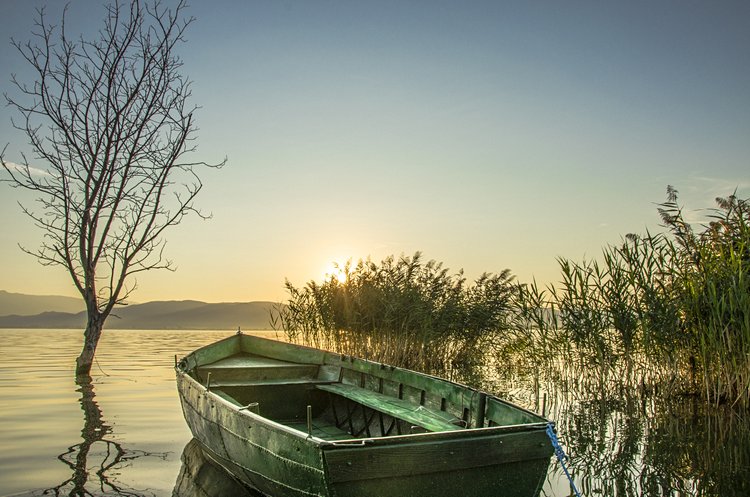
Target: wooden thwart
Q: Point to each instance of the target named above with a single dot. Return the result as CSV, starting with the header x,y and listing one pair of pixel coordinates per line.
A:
x,y
267,382
421,416
246,369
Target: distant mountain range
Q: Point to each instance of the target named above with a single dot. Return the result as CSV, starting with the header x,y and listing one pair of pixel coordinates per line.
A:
x,y
28,305
34,311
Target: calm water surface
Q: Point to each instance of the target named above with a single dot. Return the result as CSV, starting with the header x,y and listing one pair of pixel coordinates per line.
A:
x,y
125,439
123,433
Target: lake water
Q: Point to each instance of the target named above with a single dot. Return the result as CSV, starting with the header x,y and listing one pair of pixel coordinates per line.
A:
x,y
124,434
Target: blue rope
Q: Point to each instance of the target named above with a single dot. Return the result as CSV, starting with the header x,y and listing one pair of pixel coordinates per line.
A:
x,y
560,453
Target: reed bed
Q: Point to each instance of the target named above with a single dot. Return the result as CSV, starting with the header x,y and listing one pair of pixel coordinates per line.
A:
x,y
665,313
403,311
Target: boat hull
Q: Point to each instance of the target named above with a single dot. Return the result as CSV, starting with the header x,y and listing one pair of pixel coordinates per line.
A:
x,y
262,454
281,459
512,464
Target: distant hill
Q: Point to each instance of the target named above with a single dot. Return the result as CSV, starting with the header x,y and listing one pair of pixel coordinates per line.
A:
x,y
193,315
45,320
28,305
169,315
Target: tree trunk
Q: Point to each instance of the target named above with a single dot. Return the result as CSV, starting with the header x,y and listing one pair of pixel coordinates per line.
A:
x,y
90,341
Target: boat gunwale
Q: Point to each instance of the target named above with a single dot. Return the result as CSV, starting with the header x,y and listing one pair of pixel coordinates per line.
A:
x,y
457,434
239,335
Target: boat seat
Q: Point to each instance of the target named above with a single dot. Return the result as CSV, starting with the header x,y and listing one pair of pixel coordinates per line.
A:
x,y
253,369
265,383
419,415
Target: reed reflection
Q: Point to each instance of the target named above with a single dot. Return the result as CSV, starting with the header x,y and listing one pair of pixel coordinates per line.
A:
x,y
634,443
93,460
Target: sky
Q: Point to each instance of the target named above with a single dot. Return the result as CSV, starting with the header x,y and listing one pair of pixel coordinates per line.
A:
x,y
485,134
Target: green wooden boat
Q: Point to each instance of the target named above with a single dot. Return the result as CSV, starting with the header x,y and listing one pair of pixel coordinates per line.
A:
x,y
293,421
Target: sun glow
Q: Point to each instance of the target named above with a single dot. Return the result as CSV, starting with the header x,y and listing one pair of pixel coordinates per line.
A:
x,y
335,270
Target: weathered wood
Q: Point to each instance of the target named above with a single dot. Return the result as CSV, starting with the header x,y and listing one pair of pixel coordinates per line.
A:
x,y
413,413
321,429
243,360
521,479
268,382
346,464
281,350
440,393
355,438
253,367
226,396
259,373
212,352
500,413
271,457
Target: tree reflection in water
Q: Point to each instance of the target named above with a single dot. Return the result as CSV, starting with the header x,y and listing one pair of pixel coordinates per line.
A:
x,y
93,459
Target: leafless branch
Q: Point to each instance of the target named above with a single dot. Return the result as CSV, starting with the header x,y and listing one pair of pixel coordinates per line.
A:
x,y
110,124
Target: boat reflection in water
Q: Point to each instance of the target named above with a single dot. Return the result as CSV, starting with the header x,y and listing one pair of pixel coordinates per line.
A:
x,y
201,476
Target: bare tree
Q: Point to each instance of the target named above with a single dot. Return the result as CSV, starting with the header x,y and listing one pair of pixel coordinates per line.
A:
x,y
110,124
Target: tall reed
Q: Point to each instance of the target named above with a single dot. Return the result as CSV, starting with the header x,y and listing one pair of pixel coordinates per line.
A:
x,y
715,291
668,311
402,311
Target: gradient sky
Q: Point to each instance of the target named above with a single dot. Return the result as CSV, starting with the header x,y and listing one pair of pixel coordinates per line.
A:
x,y
487,135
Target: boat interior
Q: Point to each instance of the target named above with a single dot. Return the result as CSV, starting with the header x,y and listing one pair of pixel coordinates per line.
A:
x,y
347,398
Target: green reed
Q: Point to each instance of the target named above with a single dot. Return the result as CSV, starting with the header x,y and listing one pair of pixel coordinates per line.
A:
x,y
716,299
668,311
402,311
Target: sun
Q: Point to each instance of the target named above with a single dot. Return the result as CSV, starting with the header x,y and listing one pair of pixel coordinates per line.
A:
x,y
334,270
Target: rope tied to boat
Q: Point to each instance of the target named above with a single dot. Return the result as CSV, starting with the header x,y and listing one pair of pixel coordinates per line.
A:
x,y
560,453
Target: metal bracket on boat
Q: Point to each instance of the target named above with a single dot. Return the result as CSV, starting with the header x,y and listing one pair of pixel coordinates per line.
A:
x,y
253,407
180,364
355,443
208,383
309,421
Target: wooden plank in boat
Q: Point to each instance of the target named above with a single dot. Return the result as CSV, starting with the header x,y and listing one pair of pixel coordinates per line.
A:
x,y
246,367
416,414
268,382
250,361
450,396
